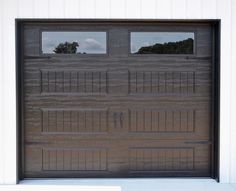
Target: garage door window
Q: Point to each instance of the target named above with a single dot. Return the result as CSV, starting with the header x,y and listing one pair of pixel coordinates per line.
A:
x,y
162,43
64,42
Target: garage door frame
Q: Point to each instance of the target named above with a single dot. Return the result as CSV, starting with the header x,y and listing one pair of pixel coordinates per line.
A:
x,y
215,86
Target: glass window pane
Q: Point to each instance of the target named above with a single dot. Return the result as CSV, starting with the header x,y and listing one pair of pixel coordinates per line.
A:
x,y
162,42
74,42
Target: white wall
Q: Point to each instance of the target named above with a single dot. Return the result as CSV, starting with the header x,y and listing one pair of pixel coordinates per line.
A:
x,y
156,9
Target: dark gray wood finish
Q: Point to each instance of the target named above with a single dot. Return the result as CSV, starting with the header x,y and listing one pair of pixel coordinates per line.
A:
x,y
117,114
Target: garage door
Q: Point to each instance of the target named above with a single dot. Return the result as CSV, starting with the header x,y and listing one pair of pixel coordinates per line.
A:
x,y
117,99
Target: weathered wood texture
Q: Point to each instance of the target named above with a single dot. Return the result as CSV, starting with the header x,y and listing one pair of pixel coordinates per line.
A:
x,y
118,114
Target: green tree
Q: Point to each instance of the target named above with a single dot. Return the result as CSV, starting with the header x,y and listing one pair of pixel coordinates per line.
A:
x,y
179,47
66,48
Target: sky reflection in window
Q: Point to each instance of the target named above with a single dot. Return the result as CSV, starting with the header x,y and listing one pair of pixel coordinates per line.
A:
x,y
63,42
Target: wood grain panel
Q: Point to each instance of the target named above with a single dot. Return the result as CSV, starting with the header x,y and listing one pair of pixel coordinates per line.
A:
x,y
161,159
74,159
156,82
74,121
154,120
72,81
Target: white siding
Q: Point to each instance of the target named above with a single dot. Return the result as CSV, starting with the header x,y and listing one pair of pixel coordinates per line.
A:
x,y
87,8
102,9
133,9
72,9
1,100
40,10
8,91
179,9
164,9
233,94
160,9
118,9
194,9
27,5
209,9
225,87
148,10
56,8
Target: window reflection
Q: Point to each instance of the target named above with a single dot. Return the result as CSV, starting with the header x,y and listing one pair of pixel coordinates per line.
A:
x,y
74,42
162,42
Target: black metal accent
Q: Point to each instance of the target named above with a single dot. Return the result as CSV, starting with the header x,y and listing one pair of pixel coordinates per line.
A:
x,y
115,116
121,119
19,100
108,21
216,99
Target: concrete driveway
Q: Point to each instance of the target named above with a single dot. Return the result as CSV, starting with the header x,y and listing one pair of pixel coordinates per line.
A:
x,y
120,185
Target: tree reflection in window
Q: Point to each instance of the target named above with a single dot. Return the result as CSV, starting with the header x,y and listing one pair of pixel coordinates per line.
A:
x,y
66,48
162,43
73,42
180,47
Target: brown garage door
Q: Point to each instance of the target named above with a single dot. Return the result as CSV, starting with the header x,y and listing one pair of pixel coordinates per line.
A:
x,y
113,99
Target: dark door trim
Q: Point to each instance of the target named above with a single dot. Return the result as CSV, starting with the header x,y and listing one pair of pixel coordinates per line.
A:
x,y
19,23
216,100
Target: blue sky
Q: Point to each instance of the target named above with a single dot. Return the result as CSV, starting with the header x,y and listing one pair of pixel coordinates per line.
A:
x,y
89,42
140,39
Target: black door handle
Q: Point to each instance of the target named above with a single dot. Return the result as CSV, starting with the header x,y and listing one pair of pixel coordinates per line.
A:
x,y
118,117
115,115
121,119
